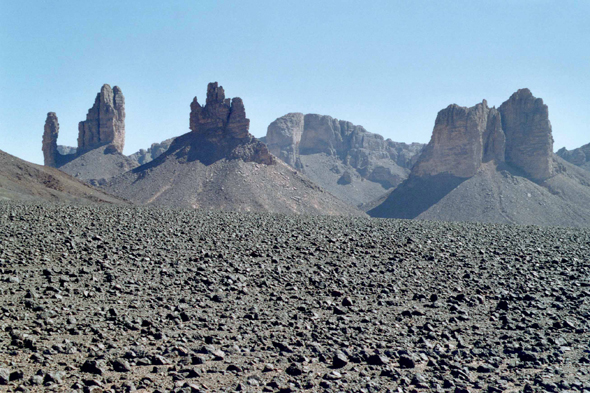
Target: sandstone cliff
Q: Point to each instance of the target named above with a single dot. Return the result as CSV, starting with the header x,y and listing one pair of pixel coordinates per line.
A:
x,y
347,160
489,165
529,142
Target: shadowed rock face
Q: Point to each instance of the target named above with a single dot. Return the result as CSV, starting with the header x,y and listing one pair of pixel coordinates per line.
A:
x,y
105,121
220,130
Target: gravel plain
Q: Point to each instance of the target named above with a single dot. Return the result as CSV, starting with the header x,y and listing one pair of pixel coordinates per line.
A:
x,y
120,299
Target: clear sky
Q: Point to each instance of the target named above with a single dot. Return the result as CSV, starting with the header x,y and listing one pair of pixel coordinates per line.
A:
x,y
387,65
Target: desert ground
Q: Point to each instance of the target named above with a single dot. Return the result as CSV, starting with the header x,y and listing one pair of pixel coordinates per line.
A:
x,y
119,299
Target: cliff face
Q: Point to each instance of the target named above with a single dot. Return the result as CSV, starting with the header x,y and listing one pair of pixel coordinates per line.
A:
x,y
105,121
463,138
104,125
296,134
490,165
518,133
529,142
341,156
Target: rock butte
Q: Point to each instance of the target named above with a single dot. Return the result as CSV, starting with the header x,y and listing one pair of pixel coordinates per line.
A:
x,y
104,125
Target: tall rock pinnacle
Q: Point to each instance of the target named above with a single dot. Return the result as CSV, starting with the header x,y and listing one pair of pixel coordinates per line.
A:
x,y
529,143
50,133
220,117
105,121
221,129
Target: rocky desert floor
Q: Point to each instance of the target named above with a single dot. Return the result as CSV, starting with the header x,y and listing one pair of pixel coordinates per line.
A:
x,y
121,299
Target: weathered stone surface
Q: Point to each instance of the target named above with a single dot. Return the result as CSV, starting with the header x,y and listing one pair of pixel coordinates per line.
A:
x,y
579,156
529,142
220,130
463,138
66,150
519,133
283,137
50,135
323,148
491,165
105,121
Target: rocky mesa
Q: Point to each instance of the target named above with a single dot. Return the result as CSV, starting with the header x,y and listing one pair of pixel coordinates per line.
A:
x,y
355,165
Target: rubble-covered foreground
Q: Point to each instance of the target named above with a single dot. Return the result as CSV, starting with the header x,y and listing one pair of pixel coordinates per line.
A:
x,y
101,298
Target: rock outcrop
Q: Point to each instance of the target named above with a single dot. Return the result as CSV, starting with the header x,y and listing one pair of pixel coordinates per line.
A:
x,y
105,121
463,139
518,133
579,157
50,134
346,159
219,165
219,129
490,165
104,126
529,142
144,156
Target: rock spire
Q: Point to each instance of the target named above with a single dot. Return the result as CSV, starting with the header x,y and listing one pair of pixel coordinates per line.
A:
x,y
104,125
105,121
221,129
50,134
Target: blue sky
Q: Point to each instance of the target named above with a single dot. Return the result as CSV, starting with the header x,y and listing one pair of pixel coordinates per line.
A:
x,y
387,65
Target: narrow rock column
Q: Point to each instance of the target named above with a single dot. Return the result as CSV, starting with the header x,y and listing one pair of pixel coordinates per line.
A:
x,y
50,135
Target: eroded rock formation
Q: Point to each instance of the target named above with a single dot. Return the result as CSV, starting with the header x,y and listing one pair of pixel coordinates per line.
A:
x,y
219,129
579,157
529,142
104,125
294,135
518,133
105,121
50,134
463,138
